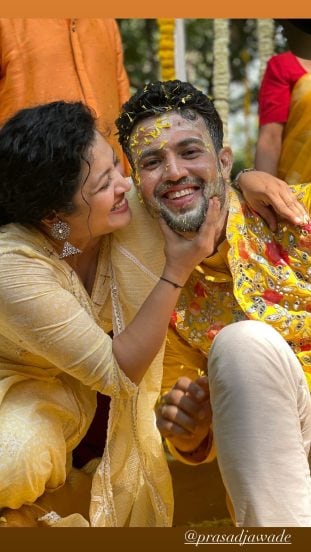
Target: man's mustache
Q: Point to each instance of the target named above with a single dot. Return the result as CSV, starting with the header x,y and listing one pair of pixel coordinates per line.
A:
x,y
187,180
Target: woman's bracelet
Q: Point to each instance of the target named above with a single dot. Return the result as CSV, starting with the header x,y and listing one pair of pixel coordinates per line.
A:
x,y
170,282
235,182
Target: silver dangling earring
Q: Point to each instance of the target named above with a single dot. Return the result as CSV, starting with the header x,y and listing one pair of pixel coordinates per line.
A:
x,y
61,231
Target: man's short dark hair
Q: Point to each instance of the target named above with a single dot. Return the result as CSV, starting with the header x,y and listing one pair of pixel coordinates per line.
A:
x,y
161,97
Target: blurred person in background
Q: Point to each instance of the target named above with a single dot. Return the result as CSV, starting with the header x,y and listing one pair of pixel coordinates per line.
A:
x,y
284,141
43,60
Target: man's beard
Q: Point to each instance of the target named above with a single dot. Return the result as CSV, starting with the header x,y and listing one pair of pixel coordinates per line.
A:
x,y
188,221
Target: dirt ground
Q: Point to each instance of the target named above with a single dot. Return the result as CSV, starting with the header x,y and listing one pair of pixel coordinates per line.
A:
x,y
199,494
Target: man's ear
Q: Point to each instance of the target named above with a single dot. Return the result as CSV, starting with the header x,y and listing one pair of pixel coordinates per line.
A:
x,y
225,160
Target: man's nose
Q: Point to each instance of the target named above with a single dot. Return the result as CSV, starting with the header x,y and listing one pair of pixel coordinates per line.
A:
x,y
174,169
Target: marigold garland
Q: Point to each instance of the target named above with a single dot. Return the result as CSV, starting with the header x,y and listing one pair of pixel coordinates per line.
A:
x,y
265,37
221,71
167,48
247,100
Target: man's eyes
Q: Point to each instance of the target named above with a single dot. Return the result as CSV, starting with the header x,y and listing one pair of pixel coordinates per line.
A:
x,y
191,152
150,163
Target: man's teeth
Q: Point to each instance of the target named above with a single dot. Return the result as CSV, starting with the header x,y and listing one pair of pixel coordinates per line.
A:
x,y
118,205
180,193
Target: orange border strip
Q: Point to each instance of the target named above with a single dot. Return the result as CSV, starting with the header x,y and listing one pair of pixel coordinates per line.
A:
x,y
159,8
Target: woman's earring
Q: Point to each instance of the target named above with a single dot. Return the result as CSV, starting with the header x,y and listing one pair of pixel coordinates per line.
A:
x,y
61,231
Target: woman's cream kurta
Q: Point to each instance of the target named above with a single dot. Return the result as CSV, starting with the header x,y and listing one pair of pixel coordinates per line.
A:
x,y
55,355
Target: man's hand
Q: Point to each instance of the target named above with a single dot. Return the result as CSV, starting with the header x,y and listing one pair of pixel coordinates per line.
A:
x,y
271,197
184,415
184,253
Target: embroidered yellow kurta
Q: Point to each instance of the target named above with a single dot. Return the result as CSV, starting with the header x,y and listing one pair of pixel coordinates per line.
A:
x,y
255,275
42,60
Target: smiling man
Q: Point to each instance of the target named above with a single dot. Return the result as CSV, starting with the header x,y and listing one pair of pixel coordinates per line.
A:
x,y
244,312
162,151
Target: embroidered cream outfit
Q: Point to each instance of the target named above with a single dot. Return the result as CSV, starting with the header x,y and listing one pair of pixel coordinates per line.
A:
x,y
55,355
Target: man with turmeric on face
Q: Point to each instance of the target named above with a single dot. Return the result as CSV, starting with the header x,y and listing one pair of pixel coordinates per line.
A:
x,y
244,312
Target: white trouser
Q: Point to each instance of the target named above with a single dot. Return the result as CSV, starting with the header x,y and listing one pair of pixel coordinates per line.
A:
x,y
262,425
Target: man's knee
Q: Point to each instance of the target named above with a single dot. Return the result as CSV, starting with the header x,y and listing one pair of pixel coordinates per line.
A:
x,y
246,337
252,352
241,335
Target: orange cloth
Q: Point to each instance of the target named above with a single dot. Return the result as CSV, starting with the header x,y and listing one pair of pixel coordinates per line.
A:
x,y
42,60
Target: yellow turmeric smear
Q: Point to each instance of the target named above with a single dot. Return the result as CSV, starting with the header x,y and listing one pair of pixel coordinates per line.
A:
x,y
136,178
154,133
134,141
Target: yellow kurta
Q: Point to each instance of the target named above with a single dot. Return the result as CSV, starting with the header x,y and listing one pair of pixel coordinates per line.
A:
x,y
295,161
254,274
55,354
43,60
